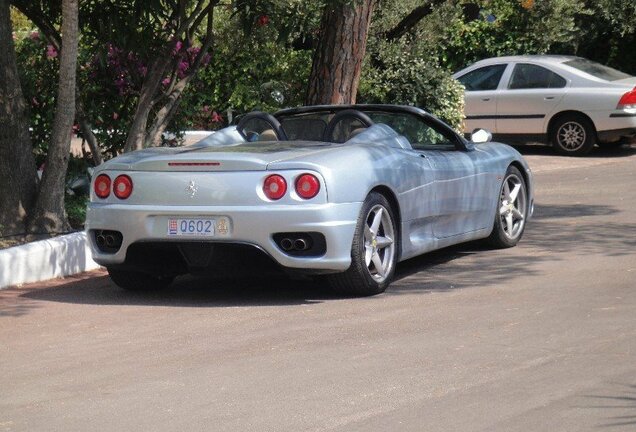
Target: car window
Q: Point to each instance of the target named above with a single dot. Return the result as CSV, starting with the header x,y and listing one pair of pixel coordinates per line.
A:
x,y
420,134
529,76
596,69
485,78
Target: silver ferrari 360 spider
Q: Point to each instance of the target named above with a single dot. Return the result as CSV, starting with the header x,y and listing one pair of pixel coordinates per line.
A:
x,y
344,191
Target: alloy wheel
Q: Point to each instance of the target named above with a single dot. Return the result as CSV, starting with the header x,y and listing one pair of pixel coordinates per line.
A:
x,y
379,245
513,206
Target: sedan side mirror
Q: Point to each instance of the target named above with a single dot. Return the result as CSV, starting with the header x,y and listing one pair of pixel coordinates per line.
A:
x,y
481,136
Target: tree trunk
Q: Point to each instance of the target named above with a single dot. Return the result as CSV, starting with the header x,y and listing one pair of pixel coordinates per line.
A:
x,y
18,179
156,72
335,71
49,215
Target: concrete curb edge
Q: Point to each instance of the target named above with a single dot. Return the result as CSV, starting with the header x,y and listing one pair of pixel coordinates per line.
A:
x,y
46,259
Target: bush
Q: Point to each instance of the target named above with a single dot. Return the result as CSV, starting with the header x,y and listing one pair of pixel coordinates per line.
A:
x,y
400,76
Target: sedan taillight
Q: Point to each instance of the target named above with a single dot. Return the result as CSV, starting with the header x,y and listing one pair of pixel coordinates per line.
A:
x,y
122,186
628,101
102,186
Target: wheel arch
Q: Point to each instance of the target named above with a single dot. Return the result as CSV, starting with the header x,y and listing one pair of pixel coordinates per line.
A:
x,y
395,206
561,114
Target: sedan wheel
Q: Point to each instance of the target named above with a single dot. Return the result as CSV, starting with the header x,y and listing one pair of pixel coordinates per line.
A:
x,y
512,210
573,135
373,252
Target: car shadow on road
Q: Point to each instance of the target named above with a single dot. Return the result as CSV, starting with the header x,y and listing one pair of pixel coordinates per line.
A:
x,y
619,410
556,233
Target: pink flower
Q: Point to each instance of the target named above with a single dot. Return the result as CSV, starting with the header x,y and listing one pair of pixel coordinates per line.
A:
x,y
206,108
35,102
115,116
34,35
178,46
216,117
51,52
262,20
165,81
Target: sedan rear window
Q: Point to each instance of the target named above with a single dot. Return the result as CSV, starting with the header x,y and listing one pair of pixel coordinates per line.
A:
x,y
529,76
596,69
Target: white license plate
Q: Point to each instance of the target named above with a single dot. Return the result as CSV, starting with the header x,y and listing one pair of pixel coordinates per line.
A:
x,y
191,227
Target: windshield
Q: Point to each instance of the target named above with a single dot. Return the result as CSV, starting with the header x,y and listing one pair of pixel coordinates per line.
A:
x,y
596,69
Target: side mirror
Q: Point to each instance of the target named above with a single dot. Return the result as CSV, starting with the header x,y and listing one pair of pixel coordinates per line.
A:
x,y
480,136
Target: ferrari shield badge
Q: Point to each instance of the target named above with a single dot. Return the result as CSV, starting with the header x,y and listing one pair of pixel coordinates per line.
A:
x,y
192,189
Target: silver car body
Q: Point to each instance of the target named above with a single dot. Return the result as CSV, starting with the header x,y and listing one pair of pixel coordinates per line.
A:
x,y
528,112
442,196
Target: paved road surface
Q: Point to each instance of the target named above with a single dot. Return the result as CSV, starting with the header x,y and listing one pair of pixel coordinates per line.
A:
x,y
541,337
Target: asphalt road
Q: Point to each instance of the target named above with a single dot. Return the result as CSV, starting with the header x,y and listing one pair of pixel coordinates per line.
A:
x,y
541,337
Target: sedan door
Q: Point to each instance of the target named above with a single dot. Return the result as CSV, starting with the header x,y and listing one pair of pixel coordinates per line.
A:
x,y
480,97
531,95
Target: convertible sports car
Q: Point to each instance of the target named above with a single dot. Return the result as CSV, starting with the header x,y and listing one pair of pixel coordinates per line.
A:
x,y
344,191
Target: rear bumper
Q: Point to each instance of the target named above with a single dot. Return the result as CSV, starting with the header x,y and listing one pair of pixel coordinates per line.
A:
x,y
254,225
626,134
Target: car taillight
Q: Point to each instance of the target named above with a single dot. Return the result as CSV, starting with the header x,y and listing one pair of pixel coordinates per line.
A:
x,y
628,100
122,186
307,186
274,187
102,186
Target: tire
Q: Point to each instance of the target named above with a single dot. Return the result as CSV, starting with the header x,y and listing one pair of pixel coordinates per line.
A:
x,y
512,211
138,281
573,135
373,251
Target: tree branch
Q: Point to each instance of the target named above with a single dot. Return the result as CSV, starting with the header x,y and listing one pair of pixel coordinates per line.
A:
x,y
411,20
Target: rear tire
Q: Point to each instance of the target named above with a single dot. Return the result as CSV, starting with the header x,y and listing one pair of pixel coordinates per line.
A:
x,y
573,135
373,251
512,211
138,281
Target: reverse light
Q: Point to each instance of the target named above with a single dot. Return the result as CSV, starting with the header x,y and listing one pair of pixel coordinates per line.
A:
x,y
628,101
102,186
122,186
274,187
307,186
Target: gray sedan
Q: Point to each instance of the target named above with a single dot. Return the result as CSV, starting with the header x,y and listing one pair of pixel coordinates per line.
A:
x,y
341,191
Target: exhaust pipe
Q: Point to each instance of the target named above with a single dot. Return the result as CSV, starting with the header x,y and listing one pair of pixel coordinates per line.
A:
x,y
110,240
101,240
287,244
301,244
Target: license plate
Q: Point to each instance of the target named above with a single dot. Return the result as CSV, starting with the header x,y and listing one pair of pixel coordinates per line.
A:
x,y
191,227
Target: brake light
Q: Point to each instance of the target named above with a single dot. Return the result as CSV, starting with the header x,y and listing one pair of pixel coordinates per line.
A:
x,y
122,187
102,186
275,187
628,100
307,186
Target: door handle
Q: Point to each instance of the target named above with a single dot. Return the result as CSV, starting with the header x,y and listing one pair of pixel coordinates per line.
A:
x,y
485,99
549,98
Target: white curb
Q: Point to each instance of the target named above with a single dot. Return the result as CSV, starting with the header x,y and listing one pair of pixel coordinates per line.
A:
x,y
46,259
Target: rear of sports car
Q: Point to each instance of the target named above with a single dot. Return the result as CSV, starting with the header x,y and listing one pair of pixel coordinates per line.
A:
x,y
166,213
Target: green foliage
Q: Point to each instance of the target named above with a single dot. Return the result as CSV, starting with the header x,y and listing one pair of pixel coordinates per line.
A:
x,y
75,206
401,76
38,67
506,27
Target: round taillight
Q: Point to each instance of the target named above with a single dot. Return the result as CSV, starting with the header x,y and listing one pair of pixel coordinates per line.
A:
x,y
122,187
274,187
307,186
102,186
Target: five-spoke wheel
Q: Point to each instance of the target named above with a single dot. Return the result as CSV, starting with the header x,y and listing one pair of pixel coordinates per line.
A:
x,y
373,251
512,210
